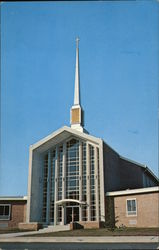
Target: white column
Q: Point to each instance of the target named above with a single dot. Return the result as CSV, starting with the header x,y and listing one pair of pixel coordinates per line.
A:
x,y
96,184
48,189
28,215
80,179
88,182
56,187
64,183
101,177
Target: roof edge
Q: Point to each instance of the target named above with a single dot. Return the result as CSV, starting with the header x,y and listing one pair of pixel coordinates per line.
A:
x,y
60,130
13,198
132,161
133,191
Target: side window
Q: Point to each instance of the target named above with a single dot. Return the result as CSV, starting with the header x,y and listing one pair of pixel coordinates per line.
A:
x,y
131,207
5,211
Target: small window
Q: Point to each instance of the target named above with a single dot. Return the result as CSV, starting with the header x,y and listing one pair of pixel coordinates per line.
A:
x,y
4,212
131,207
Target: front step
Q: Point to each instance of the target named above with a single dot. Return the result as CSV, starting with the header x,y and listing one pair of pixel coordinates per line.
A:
x,y
56,228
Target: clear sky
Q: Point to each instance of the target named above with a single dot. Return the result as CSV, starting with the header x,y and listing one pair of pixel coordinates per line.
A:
x,y
119,69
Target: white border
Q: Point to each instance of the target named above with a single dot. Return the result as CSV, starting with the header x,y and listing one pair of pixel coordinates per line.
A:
x,y
12,198
9,211
131,215
133,191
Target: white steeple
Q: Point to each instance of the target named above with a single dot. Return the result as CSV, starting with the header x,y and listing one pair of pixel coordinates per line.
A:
x,y
77,76
76,110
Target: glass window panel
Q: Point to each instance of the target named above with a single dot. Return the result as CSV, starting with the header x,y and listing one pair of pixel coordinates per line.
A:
x,y
131,207
1,210
6,210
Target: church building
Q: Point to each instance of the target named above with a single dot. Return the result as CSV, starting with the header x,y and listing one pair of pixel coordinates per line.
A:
x,y
72,172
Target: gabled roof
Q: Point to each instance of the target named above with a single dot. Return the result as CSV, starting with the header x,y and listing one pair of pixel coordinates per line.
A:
x,y
65,133
59,135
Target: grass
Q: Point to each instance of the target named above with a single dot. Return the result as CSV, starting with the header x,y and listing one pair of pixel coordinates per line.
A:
x,y
92,232
103,232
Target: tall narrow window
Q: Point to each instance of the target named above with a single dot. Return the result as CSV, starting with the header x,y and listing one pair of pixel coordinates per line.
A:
x,y
52,185
84,182
45,176
99,183
72,170
131,207
60,167
92,184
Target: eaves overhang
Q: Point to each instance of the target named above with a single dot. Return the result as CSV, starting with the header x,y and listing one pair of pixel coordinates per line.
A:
x,y
13,198
133,191
60,135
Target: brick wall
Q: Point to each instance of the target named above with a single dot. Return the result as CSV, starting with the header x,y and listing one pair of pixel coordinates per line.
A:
x,y
35,226
85,225
18,214
147,210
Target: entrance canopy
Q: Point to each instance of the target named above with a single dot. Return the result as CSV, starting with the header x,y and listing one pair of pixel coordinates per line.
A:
x,y
60,202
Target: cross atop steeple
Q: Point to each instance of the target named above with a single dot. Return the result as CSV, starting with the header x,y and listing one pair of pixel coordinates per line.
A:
x,y
76,110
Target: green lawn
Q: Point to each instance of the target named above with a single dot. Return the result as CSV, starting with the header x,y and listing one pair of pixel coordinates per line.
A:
x,y
103,232
93,232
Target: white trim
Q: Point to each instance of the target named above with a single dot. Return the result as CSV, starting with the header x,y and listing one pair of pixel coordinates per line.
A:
x,y
93,144
9,212
76,106
80,178
12,198
69,200
131,215
56,186
48,188
96,182
64,182
101,173
133,191
67,129
88,180
29,185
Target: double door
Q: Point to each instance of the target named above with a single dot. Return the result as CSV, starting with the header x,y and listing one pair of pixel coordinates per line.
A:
x,y
72,214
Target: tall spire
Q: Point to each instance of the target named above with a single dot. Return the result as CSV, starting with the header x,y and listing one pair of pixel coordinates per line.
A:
x,y
77,76
77,113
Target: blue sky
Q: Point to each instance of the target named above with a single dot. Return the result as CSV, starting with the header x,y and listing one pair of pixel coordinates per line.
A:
x,y
119,63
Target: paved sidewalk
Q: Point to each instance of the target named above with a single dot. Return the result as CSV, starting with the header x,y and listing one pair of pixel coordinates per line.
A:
x,y
106,239
41,231
11,235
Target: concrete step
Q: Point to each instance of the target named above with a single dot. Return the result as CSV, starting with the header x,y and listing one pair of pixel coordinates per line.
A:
x,y
57,228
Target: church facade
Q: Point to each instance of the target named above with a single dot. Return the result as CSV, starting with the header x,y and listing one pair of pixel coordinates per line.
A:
x,y
71,171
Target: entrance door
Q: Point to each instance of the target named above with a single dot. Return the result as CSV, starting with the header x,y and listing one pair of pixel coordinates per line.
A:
x,y
76,213
72,214
68,215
